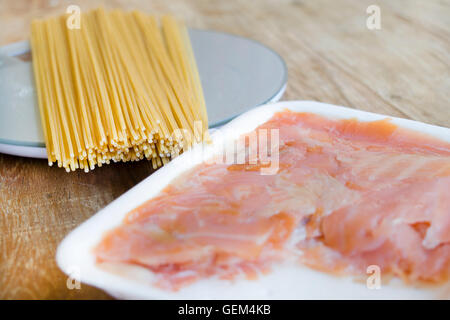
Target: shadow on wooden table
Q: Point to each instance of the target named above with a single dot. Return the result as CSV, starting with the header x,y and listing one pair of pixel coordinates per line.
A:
x,y
39,205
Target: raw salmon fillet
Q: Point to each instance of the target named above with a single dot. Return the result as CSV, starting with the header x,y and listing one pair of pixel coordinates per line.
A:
x,y
347,195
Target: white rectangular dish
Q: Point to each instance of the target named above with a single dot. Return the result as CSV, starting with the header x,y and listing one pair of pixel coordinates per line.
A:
x,y
75,256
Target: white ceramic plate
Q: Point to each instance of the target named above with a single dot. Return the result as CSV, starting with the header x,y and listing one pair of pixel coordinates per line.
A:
x,y
236,73
75,257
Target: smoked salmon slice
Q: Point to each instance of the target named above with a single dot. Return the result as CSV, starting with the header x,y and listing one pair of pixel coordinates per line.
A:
x,y
347,195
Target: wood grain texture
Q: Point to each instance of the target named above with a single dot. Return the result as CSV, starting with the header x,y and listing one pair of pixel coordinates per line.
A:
x,y
401,70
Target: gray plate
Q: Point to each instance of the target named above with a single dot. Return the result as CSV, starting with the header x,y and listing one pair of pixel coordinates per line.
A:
x,y
237,74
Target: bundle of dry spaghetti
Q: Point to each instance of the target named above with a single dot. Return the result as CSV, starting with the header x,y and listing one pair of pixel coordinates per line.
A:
x,y
121,87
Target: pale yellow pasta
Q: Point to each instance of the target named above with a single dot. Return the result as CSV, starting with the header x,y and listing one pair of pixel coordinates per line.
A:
x,y
117,88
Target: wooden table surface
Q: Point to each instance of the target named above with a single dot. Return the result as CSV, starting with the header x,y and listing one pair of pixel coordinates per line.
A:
x,y
402,70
